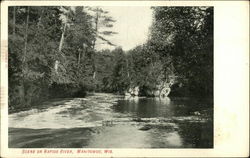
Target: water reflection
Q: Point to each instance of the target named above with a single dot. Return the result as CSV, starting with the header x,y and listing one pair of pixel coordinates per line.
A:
x,y
145,107
161,107
162,100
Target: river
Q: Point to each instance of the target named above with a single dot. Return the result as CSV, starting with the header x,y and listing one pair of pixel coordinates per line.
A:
x,y
106,120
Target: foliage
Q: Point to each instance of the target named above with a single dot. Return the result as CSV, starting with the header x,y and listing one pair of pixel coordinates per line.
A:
x,y
184,36
52,53
50,50
31,52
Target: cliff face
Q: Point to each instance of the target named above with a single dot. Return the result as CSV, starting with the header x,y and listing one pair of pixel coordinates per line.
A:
x,y
161,90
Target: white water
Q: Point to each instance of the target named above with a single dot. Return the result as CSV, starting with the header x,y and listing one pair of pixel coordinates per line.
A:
x,y
91,111
72,114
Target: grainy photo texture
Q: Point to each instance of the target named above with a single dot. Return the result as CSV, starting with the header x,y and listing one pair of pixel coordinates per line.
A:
x,y
110,77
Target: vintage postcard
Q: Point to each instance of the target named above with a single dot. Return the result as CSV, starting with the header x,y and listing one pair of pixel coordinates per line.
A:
x,y
124,78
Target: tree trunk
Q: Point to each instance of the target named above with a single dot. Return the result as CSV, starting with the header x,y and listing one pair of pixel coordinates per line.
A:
x,y
21,87
26,34
84,51
93,65
79,59
62,38
21,93
14,20
127,68
94,70
60,47
94,43
40,19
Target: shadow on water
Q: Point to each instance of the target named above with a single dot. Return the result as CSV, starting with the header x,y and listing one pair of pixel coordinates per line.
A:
x,y
49,138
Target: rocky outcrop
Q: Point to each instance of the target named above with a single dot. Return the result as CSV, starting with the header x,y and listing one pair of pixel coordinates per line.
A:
x,y
133,91
165,92
161,90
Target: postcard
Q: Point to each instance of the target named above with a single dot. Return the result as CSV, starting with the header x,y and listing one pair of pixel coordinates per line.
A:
x,y
124,78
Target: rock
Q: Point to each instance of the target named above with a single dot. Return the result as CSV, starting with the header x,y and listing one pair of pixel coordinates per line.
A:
x,y
127,94
136,91
197,113
145,128
156,93
132,91
165,92
107,123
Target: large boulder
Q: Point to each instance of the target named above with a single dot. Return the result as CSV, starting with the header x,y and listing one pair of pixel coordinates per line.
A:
x,y
165,91
161,90
156,92
133,91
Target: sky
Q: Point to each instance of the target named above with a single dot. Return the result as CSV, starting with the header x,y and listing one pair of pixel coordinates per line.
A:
x,y
132,25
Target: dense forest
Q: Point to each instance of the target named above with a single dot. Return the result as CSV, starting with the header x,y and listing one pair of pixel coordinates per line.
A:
x,y
52,53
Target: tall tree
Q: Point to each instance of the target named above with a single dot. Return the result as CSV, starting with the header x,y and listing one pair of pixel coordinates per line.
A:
x,y
31,49
66,17
26,34
78,43
101,22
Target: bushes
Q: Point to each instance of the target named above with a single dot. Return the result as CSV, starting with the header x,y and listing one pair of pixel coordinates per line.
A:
x,y
32,94
26,94
66,90
38,39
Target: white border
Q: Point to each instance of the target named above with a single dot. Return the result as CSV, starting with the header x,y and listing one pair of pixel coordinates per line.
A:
x,y
231,80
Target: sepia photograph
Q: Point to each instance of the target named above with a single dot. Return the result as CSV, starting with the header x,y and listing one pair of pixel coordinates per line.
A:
x,y
124,78
110,77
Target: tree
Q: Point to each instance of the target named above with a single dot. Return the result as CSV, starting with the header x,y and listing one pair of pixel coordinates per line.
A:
x,y
101,22
32,43
183,36
119,79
